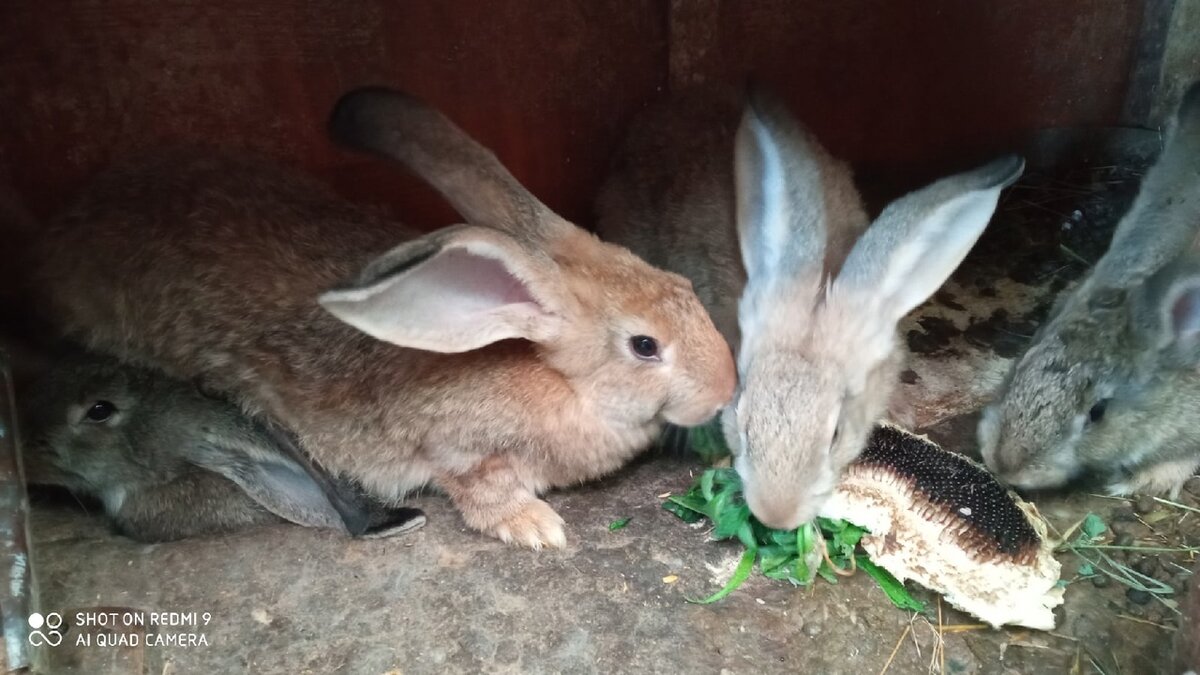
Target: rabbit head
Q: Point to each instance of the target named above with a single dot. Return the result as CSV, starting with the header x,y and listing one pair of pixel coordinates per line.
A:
x,y
1109,387
634,336
76,426
118,433
819,356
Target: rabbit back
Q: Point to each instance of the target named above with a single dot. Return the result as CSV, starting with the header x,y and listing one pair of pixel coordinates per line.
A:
x,y
669,196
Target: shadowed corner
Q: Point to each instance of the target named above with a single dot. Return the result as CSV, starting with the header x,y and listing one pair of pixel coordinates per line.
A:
x,y
674,441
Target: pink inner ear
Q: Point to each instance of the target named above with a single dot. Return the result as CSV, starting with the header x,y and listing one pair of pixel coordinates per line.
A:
x,y
1185,314
462,283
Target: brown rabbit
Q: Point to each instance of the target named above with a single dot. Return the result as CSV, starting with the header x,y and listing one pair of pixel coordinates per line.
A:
x,y
495,359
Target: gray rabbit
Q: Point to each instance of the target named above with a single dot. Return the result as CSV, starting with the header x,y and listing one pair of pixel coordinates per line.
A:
x,y
740,198
1109,388
169,461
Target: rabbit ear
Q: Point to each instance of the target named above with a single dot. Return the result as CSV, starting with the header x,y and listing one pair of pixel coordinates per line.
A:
x,y
284,480
1182,312
918,241
781,210
405,129
354,512
278,483
1166,311
455,290
1163,219
781,216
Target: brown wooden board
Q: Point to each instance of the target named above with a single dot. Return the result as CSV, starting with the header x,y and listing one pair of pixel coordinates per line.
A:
x,y
546,84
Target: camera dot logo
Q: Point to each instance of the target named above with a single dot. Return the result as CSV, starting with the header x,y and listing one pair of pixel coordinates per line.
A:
x,y
52,637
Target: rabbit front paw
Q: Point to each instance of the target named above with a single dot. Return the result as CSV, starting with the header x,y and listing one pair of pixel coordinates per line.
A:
x,y
1164,478
534,525
493,499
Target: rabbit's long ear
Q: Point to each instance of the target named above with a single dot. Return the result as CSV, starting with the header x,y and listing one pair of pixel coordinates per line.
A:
x,y
916,243
1166,214
276,481
267,463
454,290
360,517
403,128
782,212
1166,311
350,507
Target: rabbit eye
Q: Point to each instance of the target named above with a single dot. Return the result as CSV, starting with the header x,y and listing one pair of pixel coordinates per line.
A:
x,y
100,411
644,346
1097,412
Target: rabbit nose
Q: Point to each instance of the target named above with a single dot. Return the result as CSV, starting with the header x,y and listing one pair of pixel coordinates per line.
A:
x,y
784,513
1004,463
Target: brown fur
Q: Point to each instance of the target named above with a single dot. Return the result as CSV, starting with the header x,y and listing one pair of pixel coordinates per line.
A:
x,y
210,268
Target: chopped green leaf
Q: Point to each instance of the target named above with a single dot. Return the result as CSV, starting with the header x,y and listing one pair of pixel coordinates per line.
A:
x,y
895,590
827,574
684,513
746,534
785,538
1093,526
804,539
708,442
706,485
618,524
792,555
739,577
773,561
849,536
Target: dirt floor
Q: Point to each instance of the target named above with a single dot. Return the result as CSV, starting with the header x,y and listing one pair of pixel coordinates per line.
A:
x,y
290,600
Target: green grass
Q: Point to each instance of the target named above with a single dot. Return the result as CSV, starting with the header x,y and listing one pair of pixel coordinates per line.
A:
x,y
826,548
1089,546
618,524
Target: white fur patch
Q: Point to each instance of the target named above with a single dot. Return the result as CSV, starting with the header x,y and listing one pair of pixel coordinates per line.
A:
x,y
775,222
919,266
114,499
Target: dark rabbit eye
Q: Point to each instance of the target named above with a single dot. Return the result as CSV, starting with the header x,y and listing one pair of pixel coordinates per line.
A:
x,y
644,346
101,411
1097,412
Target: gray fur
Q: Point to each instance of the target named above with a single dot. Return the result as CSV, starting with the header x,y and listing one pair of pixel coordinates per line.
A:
x,y
171,461
1109,386
817,313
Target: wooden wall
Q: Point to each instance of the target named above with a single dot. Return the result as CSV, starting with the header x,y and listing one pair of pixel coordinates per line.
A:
x,y
546,83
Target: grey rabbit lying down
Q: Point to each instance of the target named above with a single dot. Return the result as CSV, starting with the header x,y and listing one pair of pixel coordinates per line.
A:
x,y
169,461
1110,387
